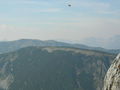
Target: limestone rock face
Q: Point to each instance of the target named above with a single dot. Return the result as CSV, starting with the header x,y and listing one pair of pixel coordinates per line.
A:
x,y
112,78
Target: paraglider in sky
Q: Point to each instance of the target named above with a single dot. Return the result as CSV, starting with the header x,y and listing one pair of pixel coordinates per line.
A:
x,y
69,5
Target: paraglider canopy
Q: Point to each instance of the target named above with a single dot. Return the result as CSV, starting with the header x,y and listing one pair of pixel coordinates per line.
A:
x,y
69,5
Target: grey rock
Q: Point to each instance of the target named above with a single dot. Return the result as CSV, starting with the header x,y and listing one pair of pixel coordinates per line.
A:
x,y
112,78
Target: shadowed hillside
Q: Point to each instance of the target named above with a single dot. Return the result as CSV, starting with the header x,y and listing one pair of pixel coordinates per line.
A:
x,y
53,68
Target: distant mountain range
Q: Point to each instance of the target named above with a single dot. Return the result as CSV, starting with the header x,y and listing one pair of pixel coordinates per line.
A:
x,y
8,46
52,68
112,42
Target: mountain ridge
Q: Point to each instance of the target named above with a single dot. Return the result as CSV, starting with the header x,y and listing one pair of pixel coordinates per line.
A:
x,y
39,68
8,46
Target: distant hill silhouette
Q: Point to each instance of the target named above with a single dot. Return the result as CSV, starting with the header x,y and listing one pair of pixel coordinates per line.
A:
x,y
9,46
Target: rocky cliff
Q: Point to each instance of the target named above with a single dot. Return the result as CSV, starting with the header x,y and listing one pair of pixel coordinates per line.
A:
x,y
112,78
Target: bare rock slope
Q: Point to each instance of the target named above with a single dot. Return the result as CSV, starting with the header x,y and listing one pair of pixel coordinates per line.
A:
x,y
112,78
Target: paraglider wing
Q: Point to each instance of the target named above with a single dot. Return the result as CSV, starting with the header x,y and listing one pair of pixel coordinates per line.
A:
x,y
69,5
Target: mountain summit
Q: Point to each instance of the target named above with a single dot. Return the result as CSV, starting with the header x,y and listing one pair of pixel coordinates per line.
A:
x,y
112,78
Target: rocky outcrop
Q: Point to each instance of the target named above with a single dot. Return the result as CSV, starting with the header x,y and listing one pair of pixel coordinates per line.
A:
x,y
112,78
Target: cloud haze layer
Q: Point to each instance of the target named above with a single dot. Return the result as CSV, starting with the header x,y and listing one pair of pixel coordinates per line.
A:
x,y
52,19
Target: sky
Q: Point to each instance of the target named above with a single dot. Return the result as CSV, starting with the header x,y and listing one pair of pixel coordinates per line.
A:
x,y
54,19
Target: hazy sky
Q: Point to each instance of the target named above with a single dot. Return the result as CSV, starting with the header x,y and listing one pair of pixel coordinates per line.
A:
x,y
53,19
